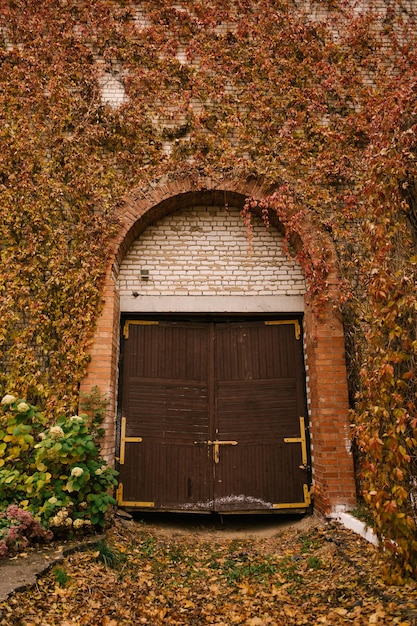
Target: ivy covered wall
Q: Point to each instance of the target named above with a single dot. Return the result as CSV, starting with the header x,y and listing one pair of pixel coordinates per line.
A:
x,y
315,98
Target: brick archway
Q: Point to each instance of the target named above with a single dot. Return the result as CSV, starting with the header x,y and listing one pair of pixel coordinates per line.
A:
x,y
333,474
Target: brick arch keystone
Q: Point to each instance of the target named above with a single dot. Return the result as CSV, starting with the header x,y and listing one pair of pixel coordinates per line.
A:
x,y
333,474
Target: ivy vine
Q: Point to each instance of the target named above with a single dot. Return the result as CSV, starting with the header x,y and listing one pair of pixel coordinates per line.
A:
x,y
317,99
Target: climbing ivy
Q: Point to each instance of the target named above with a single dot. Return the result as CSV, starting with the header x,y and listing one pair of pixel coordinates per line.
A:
x,y
315,99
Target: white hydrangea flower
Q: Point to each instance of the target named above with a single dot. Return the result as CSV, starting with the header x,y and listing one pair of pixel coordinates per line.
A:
x,y
56,432
8,399
77,471
78,523
22,407
76,418
61,518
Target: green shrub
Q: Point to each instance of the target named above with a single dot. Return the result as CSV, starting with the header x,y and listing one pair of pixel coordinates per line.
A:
x,y
53,471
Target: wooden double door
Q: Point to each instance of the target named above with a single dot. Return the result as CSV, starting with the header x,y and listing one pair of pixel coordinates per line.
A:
x,y
212,417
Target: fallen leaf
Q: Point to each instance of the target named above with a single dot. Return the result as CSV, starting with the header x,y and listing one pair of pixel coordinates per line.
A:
x,y
290,611
340,611
246,588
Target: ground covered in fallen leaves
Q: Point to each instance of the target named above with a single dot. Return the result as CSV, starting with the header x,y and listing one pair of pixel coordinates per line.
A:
x,y
143,574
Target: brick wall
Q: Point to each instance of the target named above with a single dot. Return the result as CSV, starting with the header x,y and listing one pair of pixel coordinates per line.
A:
x,y
112,75
206,251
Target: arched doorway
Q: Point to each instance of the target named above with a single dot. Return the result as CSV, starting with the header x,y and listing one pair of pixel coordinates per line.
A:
x,y
325,382
212,396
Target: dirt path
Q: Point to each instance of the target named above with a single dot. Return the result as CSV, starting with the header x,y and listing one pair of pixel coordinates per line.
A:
x,y
161,572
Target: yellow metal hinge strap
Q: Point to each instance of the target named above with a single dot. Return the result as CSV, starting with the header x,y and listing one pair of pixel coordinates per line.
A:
x,y
296,505
301,439
306,492
137,323
295,323
121,502
124,440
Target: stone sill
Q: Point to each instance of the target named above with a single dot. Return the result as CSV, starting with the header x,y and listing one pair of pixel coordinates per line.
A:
x,y
356,525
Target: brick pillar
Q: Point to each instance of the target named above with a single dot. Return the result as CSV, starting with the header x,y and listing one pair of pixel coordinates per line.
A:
x,y
103,367
332,460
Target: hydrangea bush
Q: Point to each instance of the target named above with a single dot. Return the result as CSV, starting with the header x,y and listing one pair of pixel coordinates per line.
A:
x,y
53,471
18,528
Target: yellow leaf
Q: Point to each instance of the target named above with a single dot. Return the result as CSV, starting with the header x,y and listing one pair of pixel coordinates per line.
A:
x,y
188,604
290,611
245,588
340,611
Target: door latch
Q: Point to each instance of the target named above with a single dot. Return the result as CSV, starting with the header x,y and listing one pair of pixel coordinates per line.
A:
x,y
216,447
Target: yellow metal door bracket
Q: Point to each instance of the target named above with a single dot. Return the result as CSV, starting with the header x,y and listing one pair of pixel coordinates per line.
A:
x,y
301,439
121,502
124,440
295,323
137,323
304,459
296,505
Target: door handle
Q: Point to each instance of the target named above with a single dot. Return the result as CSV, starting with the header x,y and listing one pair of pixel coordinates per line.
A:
x,y
216,446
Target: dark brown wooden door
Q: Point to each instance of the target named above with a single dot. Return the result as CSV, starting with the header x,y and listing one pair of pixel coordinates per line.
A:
x,y
213,417
165,408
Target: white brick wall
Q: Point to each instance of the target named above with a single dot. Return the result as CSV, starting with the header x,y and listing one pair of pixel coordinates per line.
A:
x,y
112,89
205,252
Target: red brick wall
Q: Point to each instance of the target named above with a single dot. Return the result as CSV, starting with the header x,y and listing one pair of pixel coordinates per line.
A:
x,y
333,475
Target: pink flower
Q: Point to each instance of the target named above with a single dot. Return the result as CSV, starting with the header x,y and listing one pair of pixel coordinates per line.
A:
x,y
3,549
12,511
